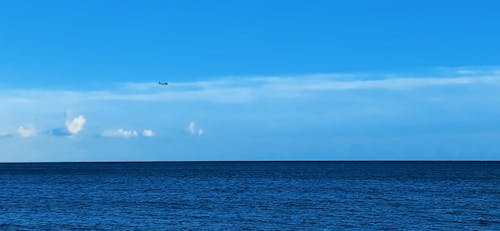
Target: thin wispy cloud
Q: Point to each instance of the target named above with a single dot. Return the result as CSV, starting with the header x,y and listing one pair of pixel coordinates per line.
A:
x,y
247,89
5,135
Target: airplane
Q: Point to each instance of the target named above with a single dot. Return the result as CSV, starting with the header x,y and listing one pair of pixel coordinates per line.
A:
x,y
164,83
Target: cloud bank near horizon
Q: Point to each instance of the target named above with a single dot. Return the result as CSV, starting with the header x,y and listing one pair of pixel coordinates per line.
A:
x,y
331,114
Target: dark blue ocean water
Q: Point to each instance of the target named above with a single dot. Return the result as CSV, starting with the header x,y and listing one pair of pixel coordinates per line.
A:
x,y
251,195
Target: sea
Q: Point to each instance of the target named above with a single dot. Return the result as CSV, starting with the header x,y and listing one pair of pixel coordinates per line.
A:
x,y
290,195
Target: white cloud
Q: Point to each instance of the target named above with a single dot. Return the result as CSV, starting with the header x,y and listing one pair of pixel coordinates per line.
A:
x,y
26,131
120,133
148,133
123,133
190,128
193,129
75,125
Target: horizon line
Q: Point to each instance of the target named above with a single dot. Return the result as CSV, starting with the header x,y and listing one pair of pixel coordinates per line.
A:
x,y
242,161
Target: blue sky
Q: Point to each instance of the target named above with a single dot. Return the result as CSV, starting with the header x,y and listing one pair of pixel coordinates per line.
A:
x,y
249,80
